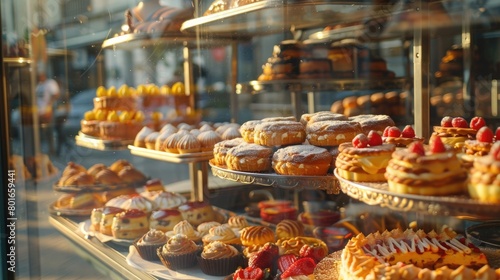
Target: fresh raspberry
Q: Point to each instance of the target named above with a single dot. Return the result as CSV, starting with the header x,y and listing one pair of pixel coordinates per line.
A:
x,y
436,145
408,132
446,121
497,134
386,131
495,151
393,132
477,122
417,147
459,122
484,134
374,139
360,141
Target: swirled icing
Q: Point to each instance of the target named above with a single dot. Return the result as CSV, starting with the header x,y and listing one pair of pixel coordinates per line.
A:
x,y
184,227
179,244
218,250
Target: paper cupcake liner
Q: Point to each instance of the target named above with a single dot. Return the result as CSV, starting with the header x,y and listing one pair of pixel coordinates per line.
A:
x,y
176,262
220,267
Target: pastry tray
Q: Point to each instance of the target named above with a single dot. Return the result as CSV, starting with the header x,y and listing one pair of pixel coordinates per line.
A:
x,y
315,85
95,143
96,187
275,16
171,157
328,182
462,207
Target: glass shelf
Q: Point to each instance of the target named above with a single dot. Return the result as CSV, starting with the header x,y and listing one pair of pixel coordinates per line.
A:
x,y
171,157
462,207
327,183
274,16
90,142
315,85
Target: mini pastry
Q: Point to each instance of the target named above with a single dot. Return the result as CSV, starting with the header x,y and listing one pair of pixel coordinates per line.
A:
x,y
140,138
221,148
279,133
331,133
185,228
247,130
373,122
179,252
477,148
130,224
107,177
118,165
130,175
401,139
256,236
222,233
203,228
165,200
208,139
249,158
197,212
94,169
289,229
364,159
484,183
454,131
154,185
108,213
188,144
131,202
306,160
165,219
95,219
219,259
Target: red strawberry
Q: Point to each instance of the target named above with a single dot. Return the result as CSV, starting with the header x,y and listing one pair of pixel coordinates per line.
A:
x,y
386,131
408,132
285,261
417,147
264,258
360,141
446,121
317,253
495,151
249,273
497,134
477,122
436,145
303,266
374,139
484,134
394,131
459,122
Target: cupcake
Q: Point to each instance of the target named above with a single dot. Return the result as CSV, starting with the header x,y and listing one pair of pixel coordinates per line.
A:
x,y
149,243
179,252
219,259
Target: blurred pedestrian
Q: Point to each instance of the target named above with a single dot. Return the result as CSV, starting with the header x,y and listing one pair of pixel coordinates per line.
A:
x,y
47,93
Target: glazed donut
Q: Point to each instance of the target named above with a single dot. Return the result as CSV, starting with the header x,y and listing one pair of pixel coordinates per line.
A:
x,y
373,122
221,148
247,130
331,133
302,160
279,133
249,157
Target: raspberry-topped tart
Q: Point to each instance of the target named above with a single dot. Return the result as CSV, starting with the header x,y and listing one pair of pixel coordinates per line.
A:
x,y
484,179
479,147
432,171
400,138
409,254
364,159
454,131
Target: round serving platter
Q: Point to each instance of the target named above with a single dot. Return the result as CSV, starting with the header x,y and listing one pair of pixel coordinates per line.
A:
x,y
328,182
460,206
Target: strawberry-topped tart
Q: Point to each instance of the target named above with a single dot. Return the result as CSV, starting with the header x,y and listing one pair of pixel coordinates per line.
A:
x,y
454,131
484,179
479,147
364,159
400,138
432,171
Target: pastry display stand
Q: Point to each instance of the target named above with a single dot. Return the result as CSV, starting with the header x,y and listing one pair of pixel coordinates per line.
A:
x,y
198,166
327,183
461,207
94,143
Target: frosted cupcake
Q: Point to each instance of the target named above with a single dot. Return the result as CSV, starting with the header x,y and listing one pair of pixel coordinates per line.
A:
x,y
184,227
149,243
179,252
219,259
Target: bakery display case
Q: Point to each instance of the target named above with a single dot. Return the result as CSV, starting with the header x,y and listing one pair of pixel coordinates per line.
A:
x,y
318,126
